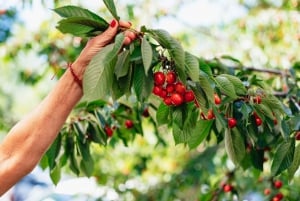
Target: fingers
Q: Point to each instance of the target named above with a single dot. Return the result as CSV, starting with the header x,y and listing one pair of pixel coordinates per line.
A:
x,y
124,24
129,37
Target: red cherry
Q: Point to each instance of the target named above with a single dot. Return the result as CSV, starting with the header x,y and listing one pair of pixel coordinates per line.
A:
x,y
232,122
297,135
227,188
163,93
177,99
180,88
267,191
258,121
171,77
217,99
157,90
189,96
159,78
168,101
277,184
146,112
279,196
275,122
257,99
210,114
170,88
128,123
108,130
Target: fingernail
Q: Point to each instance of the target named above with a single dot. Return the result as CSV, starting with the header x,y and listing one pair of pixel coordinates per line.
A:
x,y
113,23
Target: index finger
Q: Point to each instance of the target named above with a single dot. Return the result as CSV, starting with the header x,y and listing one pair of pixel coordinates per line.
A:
x,y
124,24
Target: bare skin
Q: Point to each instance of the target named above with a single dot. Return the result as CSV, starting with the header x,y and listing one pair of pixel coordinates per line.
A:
x,y
29,139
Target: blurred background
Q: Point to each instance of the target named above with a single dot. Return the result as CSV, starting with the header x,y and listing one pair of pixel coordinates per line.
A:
x,y
259,33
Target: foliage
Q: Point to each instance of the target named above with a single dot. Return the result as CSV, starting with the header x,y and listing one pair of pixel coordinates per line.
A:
x,y
201,171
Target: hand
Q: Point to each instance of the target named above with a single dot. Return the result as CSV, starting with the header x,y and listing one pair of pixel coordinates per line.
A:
x,y
95,44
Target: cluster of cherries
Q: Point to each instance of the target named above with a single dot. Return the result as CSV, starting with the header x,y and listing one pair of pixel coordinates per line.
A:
x,y
277,184
172,91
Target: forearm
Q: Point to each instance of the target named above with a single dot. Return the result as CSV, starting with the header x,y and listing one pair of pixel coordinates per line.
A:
x,y
31,137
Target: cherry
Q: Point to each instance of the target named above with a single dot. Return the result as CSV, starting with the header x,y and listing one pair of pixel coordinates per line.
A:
x,y
257,99
297,135
108,130
157,90
163,93
275,121
128,123
146,112
210,114
217,99
232,122
267,191
159,78
180,88
189,96
279,195
227,188
177,99
168,100
277,184
171,77
170,88
258,121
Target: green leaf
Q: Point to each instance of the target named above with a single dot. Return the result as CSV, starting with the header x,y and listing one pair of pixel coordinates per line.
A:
x,y
75,11
192,66
110,5
206,86
226,86
199,133
162,114
205,67
98,77
179,135
55,174
146,54
283,157
53,152
142,84
87,165
74,27
122,64
237,83
174,48
234,145
295,164
177,115
273,103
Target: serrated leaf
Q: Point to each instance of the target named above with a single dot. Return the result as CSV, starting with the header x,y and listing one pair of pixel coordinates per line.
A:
x,y
273,102
179,135
262,108
110,5
234,145
204,67
142,84
74,28
75,11
147,54
177,116
283,157
174,48
295,164
162,114
239,87
199,133
200,97
97,79
53,152
55,174
206,86
225,85
122,64
192,66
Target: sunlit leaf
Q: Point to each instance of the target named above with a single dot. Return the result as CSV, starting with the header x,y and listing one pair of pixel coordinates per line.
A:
x,y
234,145
226,86
295,164
146,54
199,133
283,157
110,5
192,66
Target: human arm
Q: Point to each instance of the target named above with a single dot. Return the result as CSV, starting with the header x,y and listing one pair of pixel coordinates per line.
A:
x,y
30,138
